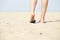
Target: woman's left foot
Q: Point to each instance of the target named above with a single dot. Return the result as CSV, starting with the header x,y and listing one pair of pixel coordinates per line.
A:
x,y
33,21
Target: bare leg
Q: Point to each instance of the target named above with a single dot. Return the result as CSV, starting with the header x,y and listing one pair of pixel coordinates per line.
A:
x,y
33,6
43,10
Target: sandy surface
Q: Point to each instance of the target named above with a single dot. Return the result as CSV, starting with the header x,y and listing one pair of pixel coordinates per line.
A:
x,y
16,26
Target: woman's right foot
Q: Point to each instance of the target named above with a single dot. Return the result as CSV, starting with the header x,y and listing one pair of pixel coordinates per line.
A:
x,y
41,21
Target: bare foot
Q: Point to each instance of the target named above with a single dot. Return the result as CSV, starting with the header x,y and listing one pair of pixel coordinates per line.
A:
x,y
32,20
32,16
41,21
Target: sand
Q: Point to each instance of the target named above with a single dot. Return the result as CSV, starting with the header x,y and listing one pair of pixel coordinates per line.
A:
x,y
16,26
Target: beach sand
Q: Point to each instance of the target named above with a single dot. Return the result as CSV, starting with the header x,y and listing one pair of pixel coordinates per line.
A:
x,y
16,26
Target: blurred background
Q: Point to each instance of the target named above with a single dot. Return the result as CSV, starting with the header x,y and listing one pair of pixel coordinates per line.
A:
x,y
24,6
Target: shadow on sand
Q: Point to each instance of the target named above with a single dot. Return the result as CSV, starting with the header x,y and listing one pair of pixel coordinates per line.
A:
x,y
50,21
53,21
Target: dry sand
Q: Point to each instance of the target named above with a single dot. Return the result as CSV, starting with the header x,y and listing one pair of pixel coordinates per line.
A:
x,y
16,26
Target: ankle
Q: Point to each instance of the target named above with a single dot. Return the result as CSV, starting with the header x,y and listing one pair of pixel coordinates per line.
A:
x,y
32,17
